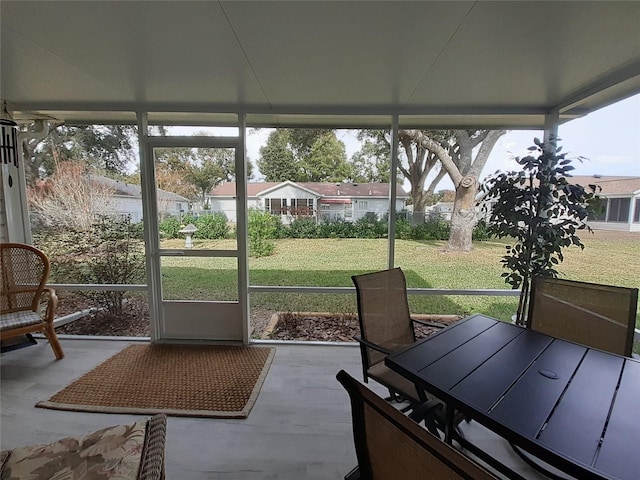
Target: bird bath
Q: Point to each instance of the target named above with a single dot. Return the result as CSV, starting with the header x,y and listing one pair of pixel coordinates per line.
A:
x,y
188,231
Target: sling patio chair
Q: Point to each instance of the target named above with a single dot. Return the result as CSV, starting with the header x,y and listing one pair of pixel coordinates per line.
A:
x,y
598,316
24,271
390,445
386,327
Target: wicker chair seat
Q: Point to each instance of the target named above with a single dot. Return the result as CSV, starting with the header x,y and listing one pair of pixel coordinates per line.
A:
x,y
13,320
122,452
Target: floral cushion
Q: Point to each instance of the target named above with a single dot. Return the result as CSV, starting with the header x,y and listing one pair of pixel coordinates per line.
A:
x,y
111,453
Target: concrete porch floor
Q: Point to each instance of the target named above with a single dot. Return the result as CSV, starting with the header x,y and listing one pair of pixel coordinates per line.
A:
x,y
300,426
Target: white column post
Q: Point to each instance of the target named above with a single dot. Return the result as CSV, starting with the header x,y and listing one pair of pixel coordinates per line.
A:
x,y
551,122
393,192
150,218
242,226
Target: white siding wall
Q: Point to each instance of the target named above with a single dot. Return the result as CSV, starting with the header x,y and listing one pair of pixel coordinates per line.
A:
x,y
379,206
288,191
628,226
127,206
228,206
335,211
617,226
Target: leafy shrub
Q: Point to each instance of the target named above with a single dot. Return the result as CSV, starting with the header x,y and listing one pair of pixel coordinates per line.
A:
x,y
212,226
480,231
282,231
303,228
169,227
111,250
403,229
370,227
435,228
262,230
188,218
336,229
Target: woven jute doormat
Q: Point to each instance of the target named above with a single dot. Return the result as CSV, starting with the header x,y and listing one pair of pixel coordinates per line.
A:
x,y
178,380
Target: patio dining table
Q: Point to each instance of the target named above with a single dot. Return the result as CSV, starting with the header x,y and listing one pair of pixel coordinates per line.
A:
x,y
569,405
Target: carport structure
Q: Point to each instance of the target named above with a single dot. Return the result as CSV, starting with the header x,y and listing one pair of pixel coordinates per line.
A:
x,y
395,64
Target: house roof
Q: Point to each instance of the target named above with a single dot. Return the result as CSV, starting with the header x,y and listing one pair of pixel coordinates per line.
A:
x,y
314,63
323,189
611,185
131,190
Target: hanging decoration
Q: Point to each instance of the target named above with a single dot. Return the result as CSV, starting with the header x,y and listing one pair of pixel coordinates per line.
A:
x,y
9,146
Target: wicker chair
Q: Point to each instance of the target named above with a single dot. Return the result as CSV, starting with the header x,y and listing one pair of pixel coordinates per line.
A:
x,y
391,446
599,316
23,275
386,327
126,452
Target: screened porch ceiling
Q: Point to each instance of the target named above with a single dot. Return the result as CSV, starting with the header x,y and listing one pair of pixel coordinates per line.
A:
x,y
308,63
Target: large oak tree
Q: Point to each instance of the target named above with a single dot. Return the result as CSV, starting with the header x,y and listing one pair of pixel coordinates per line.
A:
x,y
106,148
463,154
304,155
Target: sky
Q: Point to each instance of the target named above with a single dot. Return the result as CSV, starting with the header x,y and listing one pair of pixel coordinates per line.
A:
x,y
608,139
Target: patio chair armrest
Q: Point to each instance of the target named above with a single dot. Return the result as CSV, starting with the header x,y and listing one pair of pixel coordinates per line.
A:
x,y
428,324
373,346
49,294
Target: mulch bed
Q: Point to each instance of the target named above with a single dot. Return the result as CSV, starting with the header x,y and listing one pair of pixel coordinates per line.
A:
x,y
132,322
305,326
331,327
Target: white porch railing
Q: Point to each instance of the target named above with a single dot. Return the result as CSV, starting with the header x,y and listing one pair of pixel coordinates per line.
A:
x,y
496,292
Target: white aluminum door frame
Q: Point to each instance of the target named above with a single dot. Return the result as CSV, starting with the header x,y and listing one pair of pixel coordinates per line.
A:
x,y
162,311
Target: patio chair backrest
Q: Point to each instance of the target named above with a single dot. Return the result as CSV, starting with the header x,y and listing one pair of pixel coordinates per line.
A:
x,y
23,274
383,311
599,316
390,446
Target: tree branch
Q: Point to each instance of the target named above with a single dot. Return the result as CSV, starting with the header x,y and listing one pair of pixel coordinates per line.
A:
x,y
438,150
482,156
436,181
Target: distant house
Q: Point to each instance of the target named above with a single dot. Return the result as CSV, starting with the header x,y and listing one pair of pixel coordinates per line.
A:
x,y
320,201
126,199
444,210
620,202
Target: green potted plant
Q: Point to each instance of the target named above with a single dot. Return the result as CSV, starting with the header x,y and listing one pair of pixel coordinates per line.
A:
x,y
541,211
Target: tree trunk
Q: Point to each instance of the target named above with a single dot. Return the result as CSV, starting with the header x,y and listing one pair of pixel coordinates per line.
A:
x,y
463,217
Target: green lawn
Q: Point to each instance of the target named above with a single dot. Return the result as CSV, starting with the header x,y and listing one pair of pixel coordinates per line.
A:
x,y
608,257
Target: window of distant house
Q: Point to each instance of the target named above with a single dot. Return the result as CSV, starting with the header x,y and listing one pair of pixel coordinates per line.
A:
x,y
598,210
302,206
619,210
636,214
274,205
363,205
302,202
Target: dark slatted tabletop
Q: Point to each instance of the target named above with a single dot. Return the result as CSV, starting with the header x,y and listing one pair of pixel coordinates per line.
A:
x,y
574,407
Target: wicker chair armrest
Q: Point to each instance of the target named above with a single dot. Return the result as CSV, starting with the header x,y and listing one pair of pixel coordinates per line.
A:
x,y
373,346
49,295
152,462
428,324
